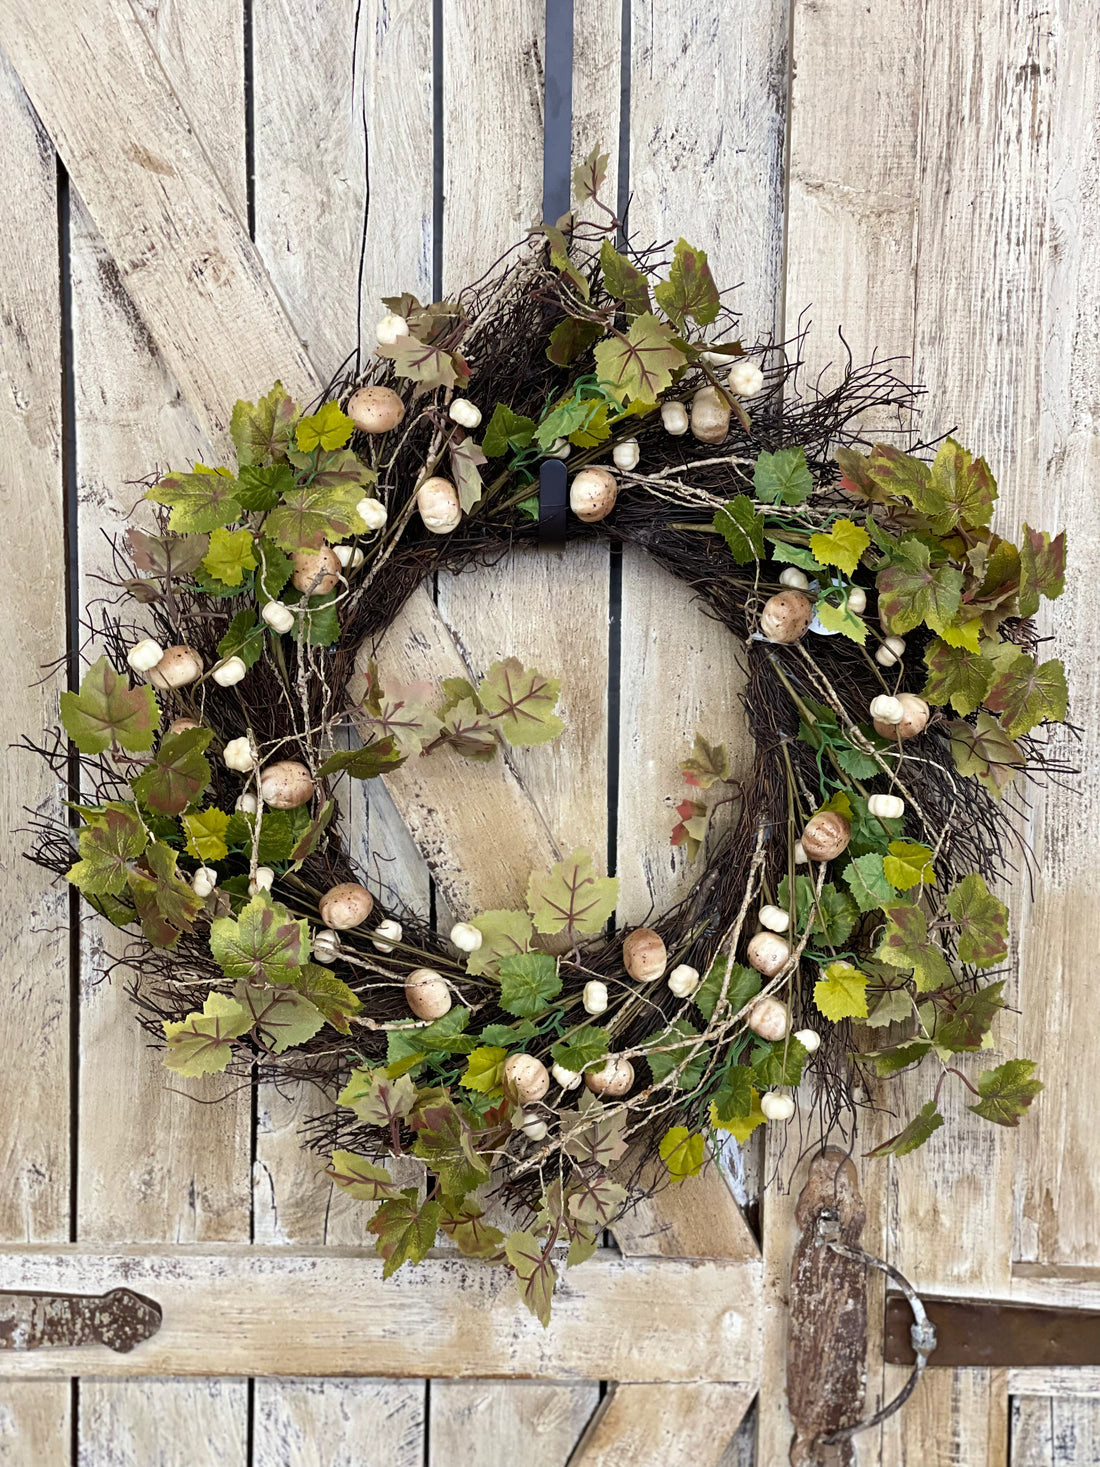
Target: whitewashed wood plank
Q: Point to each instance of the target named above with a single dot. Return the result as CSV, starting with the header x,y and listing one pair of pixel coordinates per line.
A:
x,y
240,1310
664,1423
955,1416
162,1423
338,1423
486,1423
35,1424
696,1218
1054,1381
1056,1432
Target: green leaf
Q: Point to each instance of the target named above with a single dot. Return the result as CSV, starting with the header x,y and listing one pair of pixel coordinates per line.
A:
x,y
957,676
985,751
367,762
866,879
589,176
424,362
559,258
911,590
909,864
783,477
740,1127
360,1178
485,1070
738,983
199,1044
522,701
464,1223
571,338
283,1018
265,945
280,832
503,933
259,488
229,556
742,528
244,638
109,843
528,984
328,428
624,281
794,555
690,289
781,1063
107,711
640,365
594,1200
405,1230
320,511
261,431
570,897
448,1035
445,1142
319,622
469,731
1042,568
923,1125
402,714
961,489
682,1152
466,461
708,764
376,1099
329,994
202,500
733,1099
507,1036
205,832
165,902
582,1048
662,1060
982,922
891,1061
906,944
842,546
836,915
507,431
1006,1092
178,773
841,619
1027,693
535,1276
842,993
965,1019
894,1007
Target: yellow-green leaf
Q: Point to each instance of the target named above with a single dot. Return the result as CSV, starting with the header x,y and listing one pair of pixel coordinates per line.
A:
x,y
909,864
485,1070
682,1152
327,428
841,546
199,1044
229,556
842,993
205,831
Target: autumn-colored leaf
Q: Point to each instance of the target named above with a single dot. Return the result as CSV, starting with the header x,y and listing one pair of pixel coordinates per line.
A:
x,y
1042,568
199,501
165,902
1026,693
261,431
690,289
639,365
589,176
707,764
264,945
570,897
107,710
983,749
178,773
535,1276
624,281
906,944
957,675
1006,1092
199,1044
110,841
912,590
982,921
282,1018
405,1230
361,1178
521,701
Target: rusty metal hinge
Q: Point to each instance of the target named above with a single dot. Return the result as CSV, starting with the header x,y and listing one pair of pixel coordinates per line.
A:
x,y
119,1319
986,1333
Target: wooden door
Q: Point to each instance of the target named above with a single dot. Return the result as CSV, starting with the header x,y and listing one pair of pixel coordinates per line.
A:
x,y
920,176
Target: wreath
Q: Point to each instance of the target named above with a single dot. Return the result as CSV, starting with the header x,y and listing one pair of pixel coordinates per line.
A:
x,y
894,691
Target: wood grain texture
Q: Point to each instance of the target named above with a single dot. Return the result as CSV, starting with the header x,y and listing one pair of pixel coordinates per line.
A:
x,y
651,1424
35,1424
338,1423
696,1218
486,1423
162,1423
272,1311
1055,1432
1054,1381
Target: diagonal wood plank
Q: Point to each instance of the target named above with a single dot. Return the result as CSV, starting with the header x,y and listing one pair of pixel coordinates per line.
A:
x,y
663,1423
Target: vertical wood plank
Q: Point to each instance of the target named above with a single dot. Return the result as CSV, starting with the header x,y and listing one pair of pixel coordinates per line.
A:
x,y
485,1423
162,1423
664,1423
1058,1432
336,1422
35,1423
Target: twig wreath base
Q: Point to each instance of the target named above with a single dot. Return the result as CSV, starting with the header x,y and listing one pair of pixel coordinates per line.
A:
x,y
892,692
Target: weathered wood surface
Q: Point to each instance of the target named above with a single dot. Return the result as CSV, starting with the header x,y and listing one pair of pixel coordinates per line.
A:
x,y
239,1310
490,1423
663,1423
1055,1433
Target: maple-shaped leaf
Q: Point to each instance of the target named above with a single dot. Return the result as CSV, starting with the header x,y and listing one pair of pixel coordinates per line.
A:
x,y
733,1098
314,513
261,431
726,989
906,944
781,1063
1006,1092
591,1136
912,590
682,1152
328,428
842,546
199,501
783,477
965,633
958,676
529,982
842,993
468,730
445,1142
329,994
264,945
521,702
924,1124
405,1229
108,711
164,900
640,364
624,281
403,715
570,897
866,880
690,290
668,1056
507,431
361,1178
983,749
280,831
205,831
485,1070
199,1044
535,1276
166,556
594,1199
424,362
894,1007
857,477
229,555
589,176
963,1020
466,460
583,1047
464,1223
740,1127
899,475
380,756
376,1099
908,864
1042,568
741,525
691,831
982,921
282,1017
110,841
178,773
841,619
1027,693
503,934
961,489
260,488
571,338
707,764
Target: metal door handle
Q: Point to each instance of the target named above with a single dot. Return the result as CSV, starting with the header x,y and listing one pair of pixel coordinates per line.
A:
x,y
119,1319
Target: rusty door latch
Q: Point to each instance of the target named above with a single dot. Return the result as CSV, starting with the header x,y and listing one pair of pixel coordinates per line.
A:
x,y
119,1319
